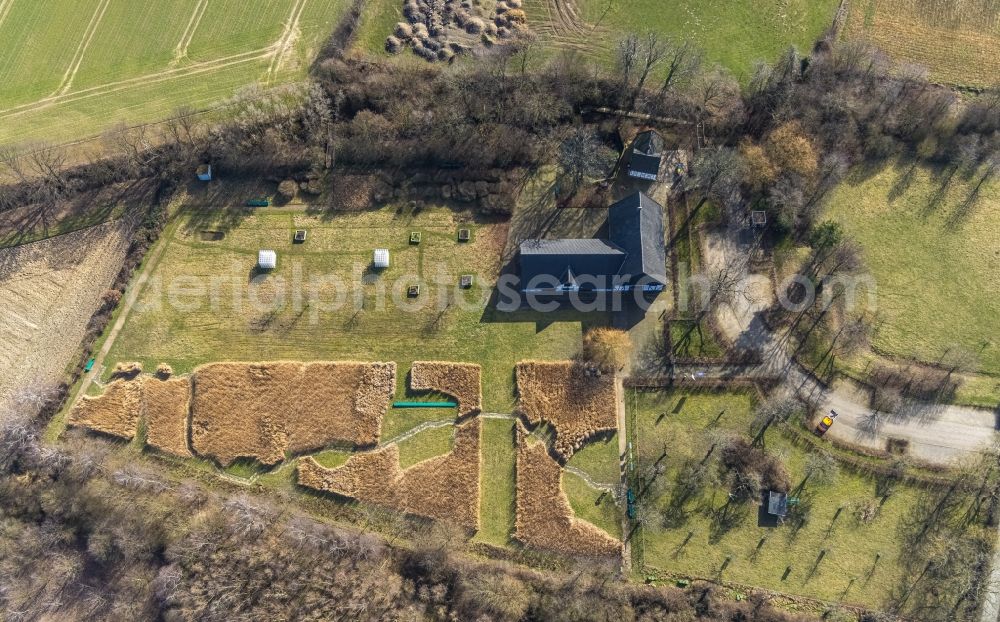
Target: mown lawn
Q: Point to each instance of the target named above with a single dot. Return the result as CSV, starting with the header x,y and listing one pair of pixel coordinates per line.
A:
x,y
594,506
931,245
599,460
205,303
832,556
498,464
733,34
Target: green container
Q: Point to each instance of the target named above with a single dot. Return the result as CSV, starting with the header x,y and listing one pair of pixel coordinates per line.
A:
x,y
424,404
258,203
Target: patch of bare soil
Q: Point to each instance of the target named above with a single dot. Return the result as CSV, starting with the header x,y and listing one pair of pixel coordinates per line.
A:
x,y
48,292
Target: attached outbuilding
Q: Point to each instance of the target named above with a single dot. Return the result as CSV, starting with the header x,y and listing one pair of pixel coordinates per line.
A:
x,y
645,156
267,260
381,259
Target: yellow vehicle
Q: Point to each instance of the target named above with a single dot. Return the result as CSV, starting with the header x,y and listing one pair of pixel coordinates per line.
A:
x,y
825,423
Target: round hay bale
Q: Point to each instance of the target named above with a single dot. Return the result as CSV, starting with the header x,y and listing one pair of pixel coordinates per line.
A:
x,y
403,30
505,33
164,371
445,54
393,45
501,7
425,53
474,26
500,21
420,31
514,4
127,370
490,29
431,44
288,188
461,17
412,12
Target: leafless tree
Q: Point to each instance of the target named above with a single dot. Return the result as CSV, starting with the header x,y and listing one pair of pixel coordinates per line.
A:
x,y
628,58
683,62
651,51
582,155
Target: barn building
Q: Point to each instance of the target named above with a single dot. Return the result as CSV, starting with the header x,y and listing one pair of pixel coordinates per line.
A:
x,y
633,257
645,156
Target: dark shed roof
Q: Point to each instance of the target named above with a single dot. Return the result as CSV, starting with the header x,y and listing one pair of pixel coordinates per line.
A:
x,y
636,225
777,503
644,159
648,143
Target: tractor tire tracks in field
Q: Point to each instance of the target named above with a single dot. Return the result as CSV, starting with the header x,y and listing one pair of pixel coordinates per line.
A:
x,y
287,39
180,52
5,10
566,29
139,81
81,49
275,52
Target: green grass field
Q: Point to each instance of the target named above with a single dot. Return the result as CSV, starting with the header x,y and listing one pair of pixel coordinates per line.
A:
x,y
79,67
498,462
734,34
935,256
686,425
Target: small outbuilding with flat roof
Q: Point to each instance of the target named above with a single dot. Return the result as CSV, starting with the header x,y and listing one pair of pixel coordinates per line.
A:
x,y
777,504
267,260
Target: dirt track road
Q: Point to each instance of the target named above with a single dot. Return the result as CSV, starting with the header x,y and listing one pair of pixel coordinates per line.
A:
x,y
936,433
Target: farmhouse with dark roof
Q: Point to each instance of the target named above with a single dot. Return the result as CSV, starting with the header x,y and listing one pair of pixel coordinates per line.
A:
x,y
645,156
632,258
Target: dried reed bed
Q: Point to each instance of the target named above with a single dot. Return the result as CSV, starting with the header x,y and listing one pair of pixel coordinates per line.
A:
x,y
459,380
447,487
577,404
165,411
370,477
544,518
444,487
263,410
115,412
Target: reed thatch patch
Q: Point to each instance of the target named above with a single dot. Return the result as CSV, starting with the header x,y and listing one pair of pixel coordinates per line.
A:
x,y
544,518
444,487
577,402
265,410
115,412
459,380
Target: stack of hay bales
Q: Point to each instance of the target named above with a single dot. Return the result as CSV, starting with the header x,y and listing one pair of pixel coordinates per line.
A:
x,y
437,30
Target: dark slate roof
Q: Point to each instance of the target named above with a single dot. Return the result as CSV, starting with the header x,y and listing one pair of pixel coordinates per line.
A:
x,y
777,503
644,158
568,261
570,246
636,225
648,143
